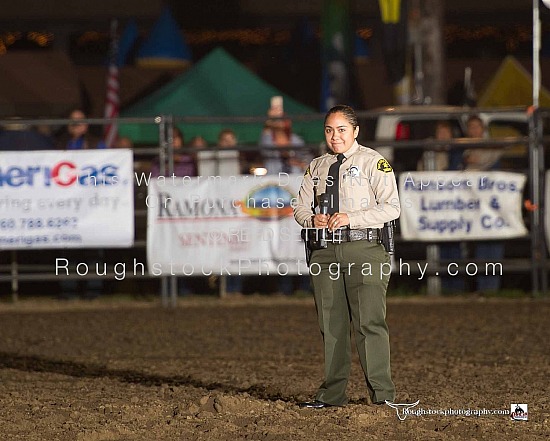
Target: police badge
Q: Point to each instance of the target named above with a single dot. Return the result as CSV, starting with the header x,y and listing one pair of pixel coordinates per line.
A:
x,y
353,171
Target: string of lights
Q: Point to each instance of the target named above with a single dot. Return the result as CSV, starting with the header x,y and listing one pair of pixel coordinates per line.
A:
x,y
510,36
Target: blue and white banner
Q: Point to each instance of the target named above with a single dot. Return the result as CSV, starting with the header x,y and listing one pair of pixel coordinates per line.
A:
x,y
66,199
448,206
224,225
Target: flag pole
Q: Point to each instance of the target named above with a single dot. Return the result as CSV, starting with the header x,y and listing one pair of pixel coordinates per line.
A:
x,y
112,103
536,53
536,156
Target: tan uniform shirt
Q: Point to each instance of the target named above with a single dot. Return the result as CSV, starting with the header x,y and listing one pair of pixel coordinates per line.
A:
x,y
368,191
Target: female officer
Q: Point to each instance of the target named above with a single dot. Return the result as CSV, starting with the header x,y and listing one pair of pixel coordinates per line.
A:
x,y
350,276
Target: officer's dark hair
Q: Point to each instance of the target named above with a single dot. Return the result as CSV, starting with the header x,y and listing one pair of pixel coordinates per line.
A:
x,y
346,111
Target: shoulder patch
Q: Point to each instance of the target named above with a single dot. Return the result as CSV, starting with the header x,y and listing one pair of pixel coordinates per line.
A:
x,y
384,166
307,172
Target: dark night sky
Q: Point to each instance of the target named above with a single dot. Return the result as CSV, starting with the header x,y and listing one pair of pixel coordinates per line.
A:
x,y
212,13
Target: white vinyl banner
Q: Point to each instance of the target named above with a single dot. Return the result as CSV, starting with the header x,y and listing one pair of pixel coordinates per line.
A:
x,y
224,225
447,206
66,199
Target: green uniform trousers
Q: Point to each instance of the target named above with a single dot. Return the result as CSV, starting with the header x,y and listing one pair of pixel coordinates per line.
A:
x,y
350,281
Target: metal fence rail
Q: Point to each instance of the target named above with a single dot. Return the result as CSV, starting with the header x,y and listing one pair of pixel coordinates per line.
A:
x,y
14,269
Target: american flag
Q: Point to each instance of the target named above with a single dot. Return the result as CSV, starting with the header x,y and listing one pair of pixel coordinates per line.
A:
x,y
112,101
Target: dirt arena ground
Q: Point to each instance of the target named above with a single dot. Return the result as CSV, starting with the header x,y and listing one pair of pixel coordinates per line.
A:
x,y
234,369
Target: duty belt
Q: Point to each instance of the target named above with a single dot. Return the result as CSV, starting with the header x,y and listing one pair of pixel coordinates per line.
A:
x,y
351,235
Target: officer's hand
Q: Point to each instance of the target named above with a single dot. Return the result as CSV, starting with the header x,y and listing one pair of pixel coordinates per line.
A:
x,y
338,220
320,220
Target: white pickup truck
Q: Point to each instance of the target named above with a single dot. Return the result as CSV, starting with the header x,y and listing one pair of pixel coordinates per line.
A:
x,y
418,123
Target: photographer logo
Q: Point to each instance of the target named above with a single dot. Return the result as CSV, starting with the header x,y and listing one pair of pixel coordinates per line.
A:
x,y
518,412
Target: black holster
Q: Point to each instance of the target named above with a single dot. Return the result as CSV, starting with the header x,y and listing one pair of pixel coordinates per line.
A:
x,y
314,239
387,237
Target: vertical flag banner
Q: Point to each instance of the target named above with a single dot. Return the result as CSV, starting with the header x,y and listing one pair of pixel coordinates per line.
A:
x,y
127,43
336,50
112,100
394,38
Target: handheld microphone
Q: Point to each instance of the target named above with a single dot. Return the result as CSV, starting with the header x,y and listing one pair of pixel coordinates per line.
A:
x,y
324,201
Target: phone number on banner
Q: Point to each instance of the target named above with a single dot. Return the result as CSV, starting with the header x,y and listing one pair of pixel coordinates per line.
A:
x,y
33,223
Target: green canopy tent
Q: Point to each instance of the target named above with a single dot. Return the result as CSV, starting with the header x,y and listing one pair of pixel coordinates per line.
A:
x,y
217,86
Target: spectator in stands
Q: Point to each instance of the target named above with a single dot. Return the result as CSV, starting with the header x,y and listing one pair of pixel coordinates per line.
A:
x,y
141,165
277,132
123,142
184,163
222,162
198,142
439,156
225,161
484,159
442,159
16,136
227,138
480,159
276,135
77,135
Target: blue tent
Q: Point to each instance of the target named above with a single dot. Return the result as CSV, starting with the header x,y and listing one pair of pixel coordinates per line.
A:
x,y
165,46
